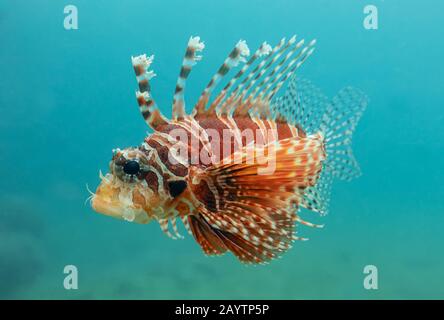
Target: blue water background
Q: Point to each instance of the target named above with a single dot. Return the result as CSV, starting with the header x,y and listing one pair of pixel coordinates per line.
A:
x,y
67,99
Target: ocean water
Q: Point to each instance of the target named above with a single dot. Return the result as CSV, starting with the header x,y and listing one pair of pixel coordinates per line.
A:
x,y
67,99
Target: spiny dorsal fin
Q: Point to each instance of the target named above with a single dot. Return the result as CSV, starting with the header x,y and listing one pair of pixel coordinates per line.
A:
x,y
288,71
234,100
289,50
263,50
147,106
257,89
273,82
189,60
236,56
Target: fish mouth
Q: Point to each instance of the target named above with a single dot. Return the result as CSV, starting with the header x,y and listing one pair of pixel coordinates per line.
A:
x,y
116,209
113,200
106,207
106,198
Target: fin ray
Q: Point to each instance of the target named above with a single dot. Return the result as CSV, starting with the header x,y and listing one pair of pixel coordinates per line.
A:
x,y
254,212
236,56
338,124
189,60
147,106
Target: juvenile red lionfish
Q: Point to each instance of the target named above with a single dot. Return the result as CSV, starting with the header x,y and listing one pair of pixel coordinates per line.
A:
x,y
225,202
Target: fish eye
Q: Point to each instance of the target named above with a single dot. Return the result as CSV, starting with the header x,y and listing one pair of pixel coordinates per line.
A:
x,y
131,167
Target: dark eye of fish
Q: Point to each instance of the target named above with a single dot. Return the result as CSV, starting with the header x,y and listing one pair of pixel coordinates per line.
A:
x,y
176,187
131,167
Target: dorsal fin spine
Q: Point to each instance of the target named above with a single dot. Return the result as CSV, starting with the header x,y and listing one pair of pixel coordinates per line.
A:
x,y
263,50
252,83
246,94
238,92
284,77
147,106
279,69
189,60
269,75
236,56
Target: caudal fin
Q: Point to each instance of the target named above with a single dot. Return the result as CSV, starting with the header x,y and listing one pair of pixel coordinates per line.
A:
x,y
338,124
305,105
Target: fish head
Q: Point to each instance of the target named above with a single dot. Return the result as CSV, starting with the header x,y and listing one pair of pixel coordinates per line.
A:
x,y
124,192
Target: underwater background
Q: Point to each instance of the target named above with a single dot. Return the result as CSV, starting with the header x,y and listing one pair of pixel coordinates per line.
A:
x,y
67,99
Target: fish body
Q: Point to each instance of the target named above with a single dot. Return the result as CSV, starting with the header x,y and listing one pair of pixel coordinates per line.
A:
x,y
238,169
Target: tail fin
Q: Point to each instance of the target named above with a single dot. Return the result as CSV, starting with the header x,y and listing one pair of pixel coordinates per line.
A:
x,y
304,104
338,123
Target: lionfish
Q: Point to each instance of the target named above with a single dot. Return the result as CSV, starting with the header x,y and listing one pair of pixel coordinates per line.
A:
x,y
227,205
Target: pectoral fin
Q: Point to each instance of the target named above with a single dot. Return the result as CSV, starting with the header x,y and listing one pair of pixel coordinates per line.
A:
x,y
251,211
